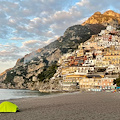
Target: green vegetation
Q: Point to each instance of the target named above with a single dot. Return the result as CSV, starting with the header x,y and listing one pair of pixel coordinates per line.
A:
x,y
11,74
118,28
22,60
9,78
48,72
117,81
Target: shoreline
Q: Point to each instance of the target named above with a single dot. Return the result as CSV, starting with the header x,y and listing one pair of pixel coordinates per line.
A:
x,y
46,95
56,94
67,106
23,93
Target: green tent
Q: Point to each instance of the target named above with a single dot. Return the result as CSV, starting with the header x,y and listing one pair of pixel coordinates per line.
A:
x,y
8,107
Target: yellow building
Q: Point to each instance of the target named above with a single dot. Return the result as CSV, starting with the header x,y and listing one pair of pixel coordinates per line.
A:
x,y
77,70
102,63
71,81
112,59
80,53
80,46
90,83
111,51
67,70
83,81
112,55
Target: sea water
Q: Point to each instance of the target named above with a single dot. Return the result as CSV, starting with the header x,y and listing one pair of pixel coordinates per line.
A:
x,y
6,94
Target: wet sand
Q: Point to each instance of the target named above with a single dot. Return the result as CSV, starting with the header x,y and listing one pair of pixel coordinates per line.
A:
x,y
72,106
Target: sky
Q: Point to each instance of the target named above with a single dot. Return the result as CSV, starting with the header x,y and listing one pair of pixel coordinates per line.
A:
x,y
27,25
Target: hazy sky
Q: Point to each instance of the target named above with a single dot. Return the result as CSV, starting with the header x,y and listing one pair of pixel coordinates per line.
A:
x,y
26,25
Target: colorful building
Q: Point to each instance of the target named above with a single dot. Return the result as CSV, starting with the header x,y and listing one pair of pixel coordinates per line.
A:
x,y
107,83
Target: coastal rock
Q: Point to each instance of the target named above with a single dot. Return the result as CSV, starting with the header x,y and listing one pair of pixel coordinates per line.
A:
x,y
34,78
18,80
34,67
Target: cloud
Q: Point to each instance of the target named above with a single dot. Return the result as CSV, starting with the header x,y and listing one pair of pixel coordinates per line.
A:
x,y
83,3
32,45
98,5
17,38
35,18
25,19
27,25
9,52
5,65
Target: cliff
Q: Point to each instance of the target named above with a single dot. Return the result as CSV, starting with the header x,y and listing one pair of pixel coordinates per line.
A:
x,y
34,70
108,17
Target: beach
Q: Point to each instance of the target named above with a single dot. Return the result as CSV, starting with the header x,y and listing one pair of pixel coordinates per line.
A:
x,y
67,106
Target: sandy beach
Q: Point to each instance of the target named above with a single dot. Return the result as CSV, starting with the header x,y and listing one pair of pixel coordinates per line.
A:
x,y
72,106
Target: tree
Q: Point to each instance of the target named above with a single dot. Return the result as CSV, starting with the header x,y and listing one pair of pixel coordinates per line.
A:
x,y
117,81
48,72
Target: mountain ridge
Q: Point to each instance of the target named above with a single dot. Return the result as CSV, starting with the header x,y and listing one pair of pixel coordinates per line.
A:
x,y
105,19
31,71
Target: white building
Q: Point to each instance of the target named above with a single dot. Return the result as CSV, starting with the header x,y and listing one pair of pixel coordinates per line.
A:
x,y
89,62
113,69
99,57
110,28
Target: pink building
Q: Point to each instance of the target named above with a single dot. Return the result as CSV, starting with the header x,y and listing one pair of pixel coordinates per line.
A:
x,y
107,83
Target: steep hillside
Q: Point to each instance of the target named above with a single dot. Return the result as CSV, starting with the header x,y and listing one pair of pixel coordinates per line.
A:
x,y
35,67
109,17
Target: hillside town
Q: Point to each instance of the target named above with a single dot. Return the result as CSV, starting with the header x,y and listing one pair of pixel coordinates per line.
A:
x,y
94,65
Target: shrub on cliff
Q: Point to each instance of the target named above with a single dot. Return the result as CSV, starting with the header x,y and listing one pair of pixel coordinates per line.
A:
x,y
48,72
117,81
9,78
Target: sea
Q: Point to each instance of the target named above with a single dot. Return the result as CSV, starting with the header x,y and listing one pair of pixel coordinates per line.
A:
x,y
6,94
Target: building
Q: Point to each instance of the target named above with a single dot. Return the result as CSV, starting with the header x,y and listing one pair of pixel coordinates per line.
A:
x,y
86,82
113,69
71,81
101,64
107,83
76,61
113,59
89,62
77,70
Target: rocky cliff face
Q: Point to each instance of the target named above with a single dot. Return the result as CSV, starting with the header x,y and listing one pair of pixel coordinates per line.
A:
x,y
34,70
109,17
29,71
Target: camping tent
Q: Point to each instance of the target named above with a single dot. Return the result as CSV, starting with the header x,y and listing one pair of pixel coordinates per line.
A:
x,y
8,107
